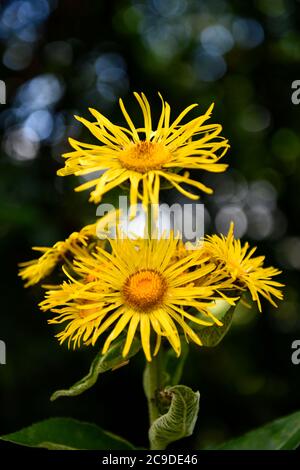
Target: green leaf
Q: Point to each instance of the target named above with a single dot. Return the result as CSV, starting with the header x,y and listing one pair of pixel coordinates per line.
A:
x,y
212,335
67,434
180,419
281,434
102,363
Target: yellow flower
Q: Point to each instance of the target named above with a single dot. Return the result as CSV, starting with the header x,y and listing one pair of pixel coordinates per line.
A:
x,y
144,155
133,285
35,270
236,262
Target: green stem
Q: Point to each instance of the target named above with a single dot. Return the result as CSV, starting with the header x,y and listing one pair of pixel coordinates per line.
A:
x,y
154,370
149,221
152,385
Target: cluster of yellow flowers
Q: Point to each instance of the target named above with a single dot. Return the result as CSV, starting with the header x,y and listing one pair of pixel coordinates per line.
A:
x,y
114,287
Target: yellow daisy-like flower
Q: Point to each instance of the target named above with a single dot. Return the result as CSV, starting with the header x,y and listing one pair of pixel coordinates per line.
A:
x,y
35,270
237,262
144,155
135,285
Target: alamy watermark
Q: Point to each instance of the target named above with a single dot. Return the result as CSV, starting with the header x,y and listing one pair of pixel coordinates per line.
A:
x,y
296,94
185,221
2,352
296,353
2,92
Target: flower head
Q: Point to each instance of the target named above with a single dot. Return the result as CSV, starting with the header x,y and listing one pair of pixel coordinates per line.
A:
x,y
35,270
136,284
144,155
236,262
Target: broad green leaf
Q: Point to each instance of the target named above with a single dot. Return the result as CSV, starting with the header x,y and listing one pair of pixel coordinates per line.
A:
x,y
180,419
67,434
281,434
212,335
102,363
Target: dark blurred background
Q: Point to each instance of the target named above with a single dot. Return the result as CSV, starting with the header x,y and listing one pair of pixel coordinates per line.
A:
x,y
58,59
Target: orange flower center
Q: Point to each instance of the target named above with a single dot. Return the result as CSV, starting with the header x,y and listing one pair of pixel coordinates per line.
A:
x,y
144,156
144,289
